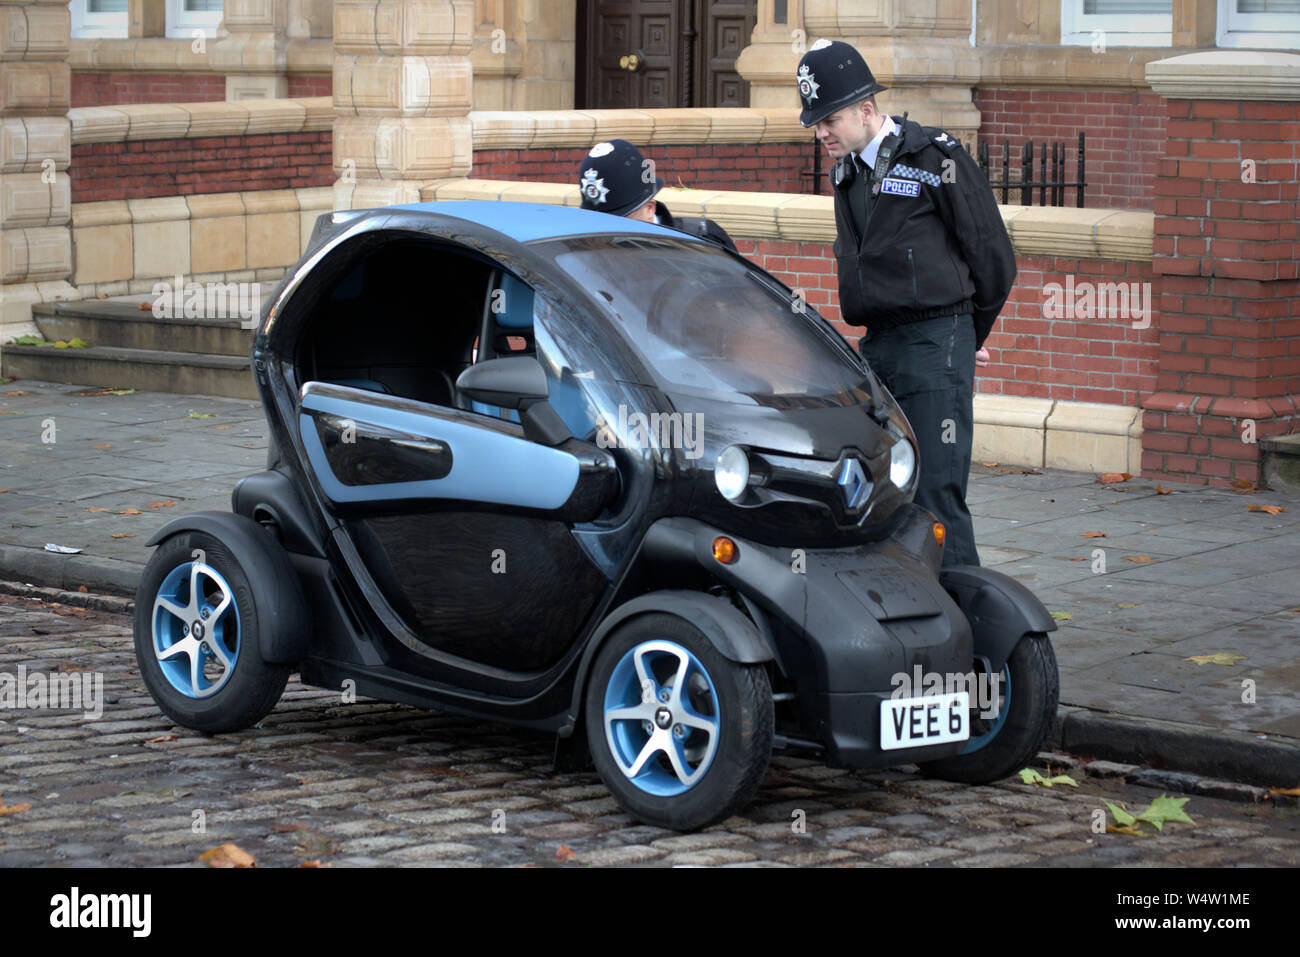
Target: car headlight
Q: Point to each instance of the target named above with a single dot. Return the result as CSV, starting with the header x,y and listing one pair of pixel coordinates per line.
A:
x,y
902,463
731,472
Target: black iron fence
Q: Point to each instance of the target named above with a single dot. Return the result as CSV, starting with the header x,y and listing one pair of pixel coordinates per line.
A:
x,y
1051,181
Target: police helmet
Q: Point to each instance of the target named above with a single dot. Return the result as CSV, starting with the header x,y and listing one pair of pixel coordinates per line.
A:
x,y
832,75
616,178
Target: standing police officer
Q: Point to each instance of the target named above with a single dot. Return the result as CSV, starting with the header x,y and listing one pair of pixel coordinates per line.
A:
x,y
924,263
615,178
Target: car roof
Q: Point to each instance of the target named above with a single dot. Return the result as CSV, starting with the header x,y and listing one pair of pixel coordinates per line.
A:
x,y
532,222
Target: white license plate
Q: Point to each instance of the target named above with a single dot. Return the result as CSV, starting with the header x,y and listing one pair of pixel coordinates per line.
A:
x,y
929,719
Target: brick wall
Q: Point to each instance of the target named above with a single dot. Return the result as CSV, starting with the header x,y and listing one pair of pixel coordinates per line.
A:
x,y
220,164
1125,135
107,89
766,167
1226,250
1082,359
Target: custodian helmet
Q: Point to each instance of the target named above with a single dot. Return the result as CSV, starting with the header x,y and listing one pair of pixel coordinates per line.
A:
x,y
616,178
832,75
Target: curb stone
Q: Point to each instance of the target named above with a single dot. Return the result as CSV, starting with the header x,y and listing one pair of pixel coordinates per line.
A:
x,y
35,566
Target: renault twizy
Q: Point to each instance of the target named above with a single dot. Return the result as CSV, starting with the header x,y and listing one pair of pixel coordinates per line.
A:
x,y
601,478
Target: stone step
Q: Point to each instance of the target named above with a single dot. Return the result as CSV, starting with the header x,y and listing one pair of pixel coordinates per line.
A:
x,y
123,324
152,370
1280,462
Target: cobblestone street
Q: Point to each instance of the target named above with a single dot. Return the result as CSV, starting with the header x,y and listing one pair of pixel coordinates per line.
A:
x,y
377,784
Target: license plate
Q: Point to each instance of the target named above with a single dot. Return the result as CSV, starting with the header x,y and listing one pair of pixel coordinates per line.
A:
x,y
929,719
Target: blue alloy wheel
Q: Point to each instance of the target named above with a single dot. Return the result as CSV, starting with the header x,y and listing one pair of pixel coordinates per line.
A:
x,y
662,718
991,726
195,630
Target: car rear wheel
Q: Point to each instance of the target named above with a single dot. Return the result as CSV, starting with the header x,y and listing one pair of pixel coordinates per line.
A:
x,y
196,637
1005,737
681,735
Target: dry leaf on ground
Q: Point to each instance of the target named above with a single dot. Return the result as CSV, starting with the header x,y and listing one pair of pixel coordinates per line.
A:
x,y
1142,559
1092,534
1110,478
130,511
1270,509
228,855
13,809
124,534
1218,658
564,854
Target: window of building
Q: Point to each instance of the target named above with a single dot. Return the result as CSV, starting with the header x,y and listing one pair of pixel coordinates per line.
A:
x,y
1117,23
186,16
1261,24
98,18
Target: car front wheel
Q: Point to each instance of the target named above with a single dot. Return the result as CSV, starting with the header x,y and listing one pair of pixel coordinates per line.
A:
x,y
681,735
1006,735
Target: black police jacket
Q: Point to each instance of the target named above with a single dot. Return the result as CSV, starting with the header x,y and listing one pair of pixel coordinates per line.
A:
x,y
934,244
695,225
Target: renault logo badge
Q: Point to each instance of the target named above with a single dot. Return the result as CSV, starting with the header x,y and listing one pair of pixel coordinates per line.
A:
x,y
853,483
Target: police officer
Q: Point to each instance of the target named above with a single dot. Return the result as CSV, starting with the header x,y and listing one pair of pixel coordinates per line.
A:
x,y
924,264
616,178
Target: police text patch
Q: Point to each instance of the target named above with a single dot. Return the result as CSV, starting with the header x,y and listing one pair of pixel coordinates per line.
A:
x,y
901,187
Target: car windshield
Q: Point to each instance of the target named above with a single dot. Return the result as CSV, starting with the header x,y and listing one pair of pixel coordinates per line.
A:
x,y
707,324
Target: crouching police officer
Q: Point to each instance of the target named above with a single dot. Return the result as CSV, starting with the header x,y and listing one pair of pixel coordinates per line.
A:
x,y
924,263
616,178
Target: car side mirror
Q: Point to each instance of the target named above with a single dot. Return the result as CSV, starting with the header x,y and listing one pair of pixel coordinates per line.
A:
x,y
512,382
517,382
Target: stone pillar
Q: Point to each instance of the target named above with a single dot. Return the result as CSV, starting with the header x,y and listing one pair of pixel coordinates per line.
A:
x,y
252,49
921,51
402,93
1225,265
35,150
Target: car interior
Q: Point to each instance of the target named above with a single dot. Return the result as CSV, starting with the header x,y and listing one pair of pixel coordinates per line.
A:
x,y
410,316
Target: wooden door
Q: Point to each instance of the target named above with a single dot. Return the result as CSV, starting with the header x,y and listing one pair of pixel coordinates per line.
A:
x,y
724,30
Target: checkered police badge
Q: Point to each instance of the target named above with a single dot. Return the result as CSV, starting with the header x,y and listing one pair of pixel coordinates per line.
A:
x,y
808,85
593,187
911,172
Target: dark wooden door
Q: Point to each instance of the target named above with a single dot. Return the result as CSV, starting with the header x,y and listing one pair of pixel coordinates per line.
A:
x,y
685,53
724,30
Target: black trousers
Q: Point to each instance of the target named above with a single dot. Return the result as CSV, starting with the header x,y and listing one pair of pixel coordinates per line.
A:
x,y
930,368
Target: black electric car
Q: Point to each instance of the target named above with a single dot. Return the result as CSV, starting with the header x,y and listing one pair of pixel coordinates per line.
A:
x,y
601,478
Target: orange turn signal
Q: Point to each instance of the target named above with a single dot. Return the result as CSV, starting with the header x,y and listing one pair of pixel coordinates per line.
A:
x,y
939,532
725,550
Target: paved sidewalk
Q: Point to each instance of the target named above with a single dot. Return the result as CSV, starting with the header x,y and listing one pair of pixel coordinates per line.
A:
x,y
1210,577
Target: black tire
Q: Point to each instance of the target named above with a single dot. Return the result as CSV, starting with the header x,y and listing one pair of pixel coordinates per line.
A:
x,y
741,699
228,697
1035,693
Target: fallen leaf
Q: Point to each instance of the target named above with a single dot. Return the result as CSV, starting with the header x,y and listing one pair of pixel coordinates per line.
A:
x,y
564,854
99,508
1132,830
1242,484
161,504
1218,658
1063,615
144,306
11,412
1289,792
13,809
1077,559
1030,776
315,863
161,738
15,393
1110,478
130,511
3,490
989,465
202,415
223,426
123,535
105,446
1165,809
1270,509
1127,604
1161,490
1122,817
1092,534
1141,559
227,855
